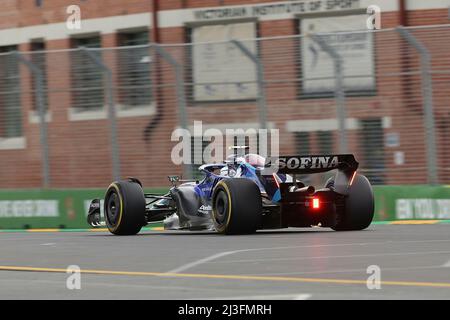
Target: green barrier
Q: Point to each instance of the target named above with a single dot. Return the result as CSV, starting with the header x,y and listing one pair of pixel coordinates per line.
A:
x,y
36,209
412,203
67,209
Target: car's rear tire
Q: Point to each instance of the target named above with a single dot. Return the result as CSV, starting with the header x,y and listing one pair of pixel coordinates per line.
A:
x,y
236,206
358,207
124,208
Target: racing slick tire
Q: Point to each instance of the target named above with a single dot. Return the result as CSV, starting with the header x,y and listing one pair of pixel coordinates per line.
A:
x,y
124,208
358,207
236,206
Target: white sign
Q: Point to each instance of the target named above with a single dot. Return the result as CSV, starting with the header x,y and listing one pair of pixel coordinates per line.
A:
x,y
392,140
399,158
220,70
355,49
29,208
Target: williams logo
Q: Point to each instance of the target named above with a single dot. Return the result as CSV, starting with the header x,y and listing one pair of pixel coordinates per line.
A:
x,y
205,209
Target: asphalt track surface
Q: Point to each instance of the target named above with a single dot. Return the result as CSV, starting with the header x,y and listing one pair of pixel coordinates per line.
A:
x,y
288,264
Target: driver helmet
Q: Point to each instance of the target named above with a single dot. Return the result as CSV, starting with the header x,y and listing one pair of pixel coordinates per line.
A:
x,y
255,160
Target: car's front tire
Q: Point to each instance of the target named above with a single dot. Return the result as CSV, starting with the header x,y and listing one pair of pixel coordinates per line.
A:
x,y
237,206
124,208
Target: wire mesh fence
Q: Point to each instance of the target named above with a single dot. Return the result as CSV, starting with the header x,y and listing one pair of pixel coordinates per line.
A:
x,y
81,117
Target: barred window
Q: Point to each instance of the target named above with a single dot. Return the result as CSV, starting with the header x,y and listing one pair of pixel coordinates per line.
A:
x,y
39,59
250,141
134,70
87,77
372,144
198,146
302,140
303,144
325,142
10,94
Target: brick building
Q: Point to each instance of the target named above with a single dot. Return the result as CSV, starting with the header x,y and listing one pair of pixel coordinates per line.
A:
x,y
384,102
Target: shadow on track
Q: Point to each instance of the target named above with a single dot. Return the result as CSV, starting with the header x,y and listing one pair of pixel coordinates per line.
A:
x,y
284,232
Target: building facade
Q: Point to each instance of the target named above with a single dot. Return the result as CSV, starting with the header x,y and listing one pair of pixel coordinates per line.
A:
x,y
385,119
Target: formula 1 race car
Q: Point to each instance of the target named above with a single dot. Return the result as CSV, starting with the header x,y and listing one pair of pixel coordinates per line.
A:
x,y
243,195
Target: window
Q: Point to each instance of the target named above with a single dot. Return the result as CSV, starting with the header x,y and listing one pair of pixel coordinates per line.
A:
x,y
135,87
325,145
10,94
372,143
302,140
250,141
38,58
325,142
134,38
87,76
198,146
303,143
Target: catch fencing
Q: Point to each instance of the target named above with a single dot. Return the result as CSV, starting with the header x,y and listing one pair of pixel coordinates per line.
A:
x,y
82,117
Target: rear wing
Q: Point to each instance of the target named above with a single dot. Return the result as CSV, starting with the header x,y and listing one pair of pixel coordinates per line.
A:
x,y
311,164
345,164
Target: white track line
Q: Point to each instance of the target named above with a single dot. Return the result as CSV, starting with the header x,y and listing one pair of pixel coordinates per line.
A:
x,y
199,262
226,253
293,296
335,257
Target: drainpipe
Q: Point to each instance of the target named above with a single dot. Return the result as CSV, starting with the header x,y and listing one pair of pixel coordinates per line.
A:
x,y
406,63
157,91
155,24
402,13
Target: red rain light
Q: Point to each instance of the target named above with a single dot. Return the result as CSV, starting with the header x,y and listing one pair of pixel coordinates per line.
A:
x,y
353,178
315,203
276,180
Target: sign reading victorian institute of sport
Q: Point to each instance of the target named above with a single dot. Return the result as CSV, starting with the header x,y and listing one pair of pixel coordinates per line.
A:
x,y
288,7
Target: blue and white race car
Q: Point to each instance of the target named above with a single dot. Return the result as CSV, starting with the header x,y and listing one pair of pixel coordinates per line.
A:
x,y
242,195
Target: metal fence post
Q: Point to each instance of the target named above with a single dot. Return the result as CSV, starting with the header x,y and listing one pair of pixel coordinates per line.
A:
x,y
181,93
262,104
39,100
339,90
111,111
427,91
